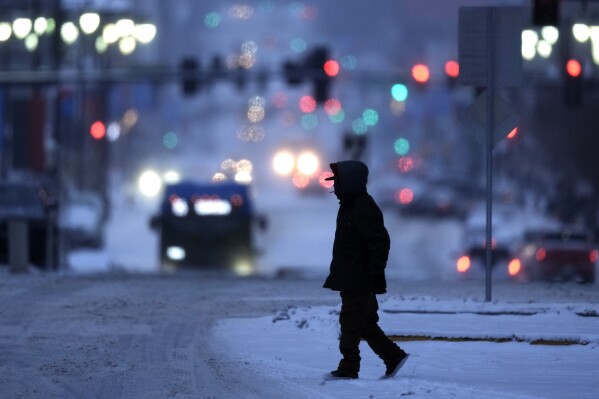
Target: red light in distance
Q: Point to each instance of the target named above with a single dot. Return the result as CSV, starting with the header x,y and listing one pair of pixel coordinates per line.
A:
x,y
513,133
307,104
331,68
573,68
97,130
452,69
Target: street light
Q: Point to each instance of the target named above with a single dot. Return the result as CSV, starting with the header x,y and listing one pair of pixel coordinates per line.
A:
x,y
21,27
69,32
5,31
89,22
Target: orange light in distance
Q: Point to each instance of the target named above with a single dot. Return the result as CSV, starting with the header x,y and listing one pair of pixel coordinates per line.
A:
x,y
514,267
463,264
421,73
452,69
573,68
513,133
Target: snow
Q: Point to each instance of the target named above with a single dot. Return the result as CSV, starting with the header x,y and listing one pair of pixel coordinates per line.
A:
x,y
298,345
460,347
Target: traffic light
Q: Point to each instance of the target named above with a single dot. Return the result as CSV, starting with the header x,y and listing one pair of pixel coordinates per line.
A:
x,y
190,68
320,79
317,68
545,12
452,71
421,74
573,83
97,130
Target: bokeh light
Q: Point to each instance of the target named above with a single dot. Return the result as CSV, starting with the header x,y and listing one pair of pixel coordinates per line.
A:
x,y
405,164
241,11
97,130
149,183
452,69
331,68
359,127
309,121
401,146
283,163
339,117
399,92
307,163
170,140
332,106
307,104
349,62
300,181
213,19
298,45
404,196
421,73
255,113
370,117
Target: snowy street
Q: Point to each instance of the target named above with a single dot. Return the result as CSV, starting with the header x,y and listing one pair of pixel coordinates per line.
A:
x,y
205,335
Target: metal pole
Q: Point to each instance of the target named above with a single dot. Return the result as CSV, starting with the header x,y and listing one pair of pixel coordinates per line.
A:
x,y
489,147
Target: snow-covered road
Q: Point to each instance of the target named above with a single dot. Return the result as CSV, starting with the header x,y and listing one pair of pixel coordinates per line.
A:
x,y
204,335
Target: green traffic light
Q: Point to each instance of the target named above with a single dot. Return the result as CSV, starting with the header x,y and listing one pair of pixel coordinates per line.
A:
x,y
399,92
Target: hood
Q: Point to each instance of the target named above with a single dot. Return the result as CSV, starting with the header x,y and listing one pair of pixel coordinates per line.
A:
x,y
350,177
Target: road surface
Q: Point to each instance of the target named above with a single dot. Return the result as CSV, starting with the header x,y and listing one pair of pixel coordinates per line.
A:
x,y
128,336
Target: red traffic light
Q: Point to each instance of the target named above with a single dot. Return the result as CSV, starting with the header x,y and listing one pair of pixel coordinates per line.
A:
x,y
98,130
573,68
331,68
452,69
421,73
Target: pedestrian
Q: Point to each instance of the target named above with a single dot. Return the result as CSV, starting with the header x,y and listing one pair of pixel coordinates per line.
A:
x,y
360,253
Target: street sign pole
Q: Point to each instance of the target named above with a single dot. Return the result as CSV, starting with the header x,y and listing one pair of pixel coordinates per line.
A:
x,y
489,150
490,57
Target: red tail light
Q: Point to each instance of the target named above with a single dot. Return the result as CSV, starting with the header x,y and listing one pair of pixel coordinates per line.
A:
x,y
541,254
514,267
463,264
594,256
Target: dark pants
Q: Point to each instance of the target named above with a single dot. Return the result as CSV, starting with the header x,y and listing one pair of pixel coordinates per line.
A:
x,y
358,319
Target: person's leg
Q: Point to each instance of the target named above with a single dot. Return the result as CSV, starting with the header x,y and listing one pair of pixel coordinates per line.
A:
x,y
351,320
376,338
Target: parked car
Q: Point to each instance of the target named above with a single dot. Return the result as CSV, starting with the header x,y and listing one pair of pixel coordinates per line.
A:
x,y
207,225
556,255
27,202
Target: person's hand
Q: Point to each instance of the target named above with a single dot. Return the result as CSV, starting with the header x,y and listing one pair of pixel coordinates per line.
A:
x,y
379,284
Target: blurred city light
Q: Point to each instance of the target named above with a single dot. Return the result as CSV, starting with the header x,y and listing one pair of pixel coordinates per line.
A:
x,y
513,133
401,146
581,32
21,27
399,92
421,73
452,69
463,264
307,104
149,183
331,68
307,163
97,130
550,34
171,177
69,32
89,22
573,68
5,31
283,163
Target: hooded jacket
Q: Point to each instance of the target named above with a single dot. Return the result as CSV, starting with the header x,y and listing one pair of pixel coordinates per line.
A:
x,y
362,243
